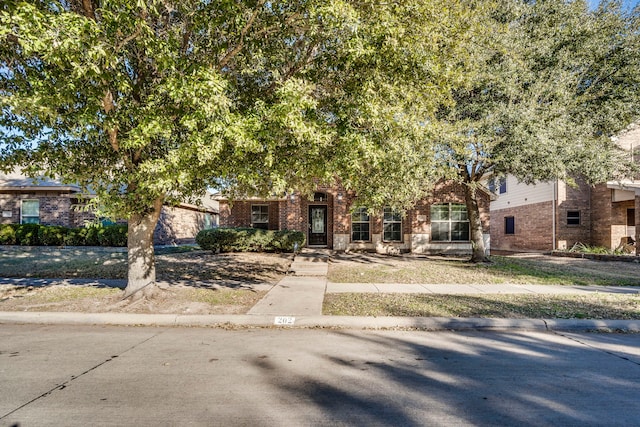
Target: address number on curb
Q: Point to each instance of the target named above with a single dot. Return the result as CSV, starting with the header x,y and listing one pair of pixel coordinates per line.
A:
x,y
284,321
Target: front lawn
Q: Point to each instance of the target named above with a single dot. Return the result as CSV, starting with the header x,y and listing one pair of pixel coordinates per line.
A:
x,y
592,306
525,269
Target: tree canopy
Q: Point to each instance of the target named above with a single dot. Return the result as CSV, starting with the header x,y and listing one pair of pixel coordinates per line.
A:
x,y
151,102
548,84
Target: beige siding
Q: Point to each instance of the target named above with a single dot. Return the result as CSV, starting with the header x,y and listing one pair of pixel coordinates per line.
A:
x,y
519,194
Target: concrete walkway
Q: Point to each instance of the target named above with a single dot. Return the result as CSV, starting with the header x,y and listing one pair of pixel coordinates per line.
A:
x,y
301,293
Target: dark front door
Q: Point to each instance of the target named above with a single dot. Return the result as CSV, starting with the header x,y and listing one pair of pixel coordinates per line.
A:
x,y
317,225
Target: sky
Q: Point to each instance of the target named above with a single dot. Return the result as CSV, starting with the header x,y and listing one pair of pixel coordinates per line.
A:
x,y
627,3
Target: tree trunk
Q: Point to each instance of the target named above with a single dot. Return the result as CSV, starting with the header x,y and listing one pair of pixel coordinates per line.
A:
x,y
475,224
141,261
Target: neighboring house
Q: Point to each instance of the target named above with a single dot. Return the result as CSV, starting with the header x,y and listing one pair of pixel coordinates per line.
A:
x,y
333,219
49,202
554,215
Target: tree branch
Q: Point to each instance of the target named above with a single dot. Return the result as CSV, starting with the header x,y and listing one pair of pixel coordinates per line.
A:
x,y
233,52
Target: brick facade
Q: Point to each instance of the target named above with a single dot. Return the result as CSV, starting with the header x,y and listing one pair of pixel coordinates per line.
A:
x,y
180,225
602,221
292,213
176,224
533,228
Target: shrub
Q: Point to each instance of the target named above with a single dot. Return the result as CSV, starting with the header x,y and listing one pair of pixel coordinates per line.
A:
x,y
113,235
76,237
27,234
249,240
288,240
8,234
217,239
52,235
92,235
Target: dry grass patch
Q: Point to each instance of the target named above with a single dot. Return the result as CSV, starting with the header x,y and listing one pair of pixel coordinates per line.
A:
x,y
98,263
191,281
592,306
167,300
372,268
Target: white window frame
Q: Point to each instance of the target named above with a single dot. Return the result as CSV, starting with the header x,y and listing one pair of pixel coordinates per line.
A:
x,y
450,221
394,219
259,215
360,212
23,216
498,185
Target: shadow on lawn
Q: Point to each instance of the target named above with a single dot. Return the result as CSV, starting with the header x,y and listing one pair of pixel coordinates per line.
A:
x,y
197,269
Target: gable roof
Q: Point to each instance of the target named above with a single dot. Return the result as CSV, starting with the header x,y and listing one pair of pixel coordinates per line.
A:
x,y
16,181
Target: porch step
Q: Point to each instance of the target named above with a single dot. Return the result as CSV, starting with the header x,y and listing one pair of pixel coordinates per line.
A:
x,y
310,262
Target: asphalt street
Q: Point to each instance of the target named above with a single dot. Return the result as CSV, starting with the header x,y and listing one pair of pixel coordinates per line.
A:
x,y
144,376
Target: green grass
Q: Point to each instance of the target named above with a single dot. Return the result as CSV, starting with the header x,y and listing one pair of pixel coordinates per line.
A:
x,y
593,306
501,270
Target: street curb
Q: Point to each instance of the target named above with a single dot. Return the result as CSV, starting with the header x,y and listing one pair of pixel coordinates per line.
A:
x,y
310,322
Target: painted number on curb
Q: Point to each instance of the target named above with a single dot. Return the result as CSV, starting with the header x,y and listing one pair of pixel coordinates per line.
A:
x,y
284,321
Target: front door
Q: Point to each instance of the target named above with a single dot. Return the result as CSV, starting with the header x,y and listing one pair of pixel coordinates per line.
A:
x,y
317,225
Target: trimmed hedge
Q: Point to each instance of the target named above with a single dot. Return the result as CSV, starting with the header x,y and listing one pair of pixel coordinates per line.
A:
x,y
250,240
53,235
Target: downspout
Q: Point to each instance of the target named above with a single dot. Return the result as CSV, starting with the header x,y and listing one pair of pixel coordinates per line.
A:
x,y
553,213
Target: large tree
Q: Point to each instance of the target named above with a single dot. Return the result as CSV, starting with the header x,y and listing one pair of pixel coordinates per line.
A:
x,y
548,84
150,102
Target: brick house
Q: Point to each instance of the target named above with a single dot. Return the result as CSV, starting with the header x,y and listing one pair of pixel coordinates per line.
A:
x,y
437,224
50,202
554,215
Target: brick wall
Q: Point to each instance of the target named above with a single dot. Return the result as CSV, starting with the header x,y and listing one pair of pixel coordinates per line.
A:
x,y
574,199
601,216
178,225
54,207
238,214
637,207
533,228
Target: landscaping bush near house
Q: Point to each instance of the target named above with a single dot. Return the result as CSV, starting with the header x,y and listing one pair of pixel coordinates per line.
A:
x,y
112,235
27,235
249,240
7,234
597,250
54,235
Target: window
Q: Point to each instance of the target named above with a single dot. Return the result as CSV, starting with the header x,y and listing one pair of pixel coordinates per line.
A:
x,y
509,225
360,227
391,226
260,216
208,221
449,223
498,185
319,197
30,213
573,217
